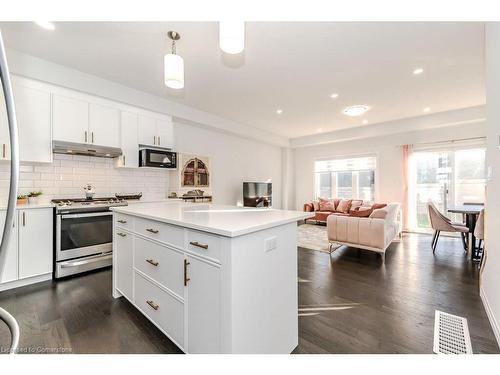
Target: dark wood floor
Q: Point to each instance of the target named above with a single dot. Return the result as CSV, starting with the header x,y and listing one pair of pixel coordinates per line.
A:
x,y
365,306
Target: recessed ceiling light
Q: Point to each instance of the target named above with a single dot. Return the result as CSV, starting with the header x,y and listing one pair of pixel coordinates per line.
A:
x,y
279,111
319,130
427,109
355,110
46,25
418,71
365,122
334,96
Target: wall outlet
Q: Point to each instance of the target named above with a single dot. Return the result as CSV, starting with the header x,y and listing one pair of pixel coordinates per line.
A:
x,y
271,243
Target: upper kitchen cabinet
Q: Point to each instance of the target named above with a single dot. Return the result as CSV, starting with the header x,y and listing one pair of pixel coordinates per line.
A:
x,y
34,123
104,125
156,131
32,101
129,141
70,119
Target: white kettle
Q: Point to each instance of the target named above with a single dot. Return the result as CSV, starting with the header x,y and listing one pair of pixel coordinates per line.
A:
x,y
89,191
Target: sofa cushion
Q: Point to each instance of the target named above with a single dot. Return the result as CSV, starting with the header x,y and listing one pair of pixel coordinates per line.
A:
x,y
361,212
377,206
344,206
378,214
321,215
326,204
315,205
355,204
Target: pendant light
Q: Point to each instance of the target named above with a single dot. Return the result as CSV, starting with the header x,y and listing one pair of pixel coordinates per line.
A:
x,y
174,65
232,36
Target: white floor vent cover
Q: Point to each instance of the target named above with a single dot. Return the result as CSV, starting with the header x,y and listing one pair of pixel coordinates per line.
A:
x,y
451,334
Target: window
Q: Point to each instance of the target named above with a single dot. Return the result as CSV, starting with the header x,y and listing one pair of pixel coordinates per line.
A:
x,y
446,177
346,178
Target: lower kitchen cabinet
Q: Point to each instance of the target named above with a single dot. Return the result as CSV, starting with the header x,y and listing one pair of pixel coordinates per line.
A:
x,y
30,254
203,301
10,269
123,263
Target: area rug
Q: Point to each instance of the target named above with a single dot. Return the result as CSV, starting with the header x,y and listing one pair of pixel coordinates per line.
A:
x,y
313,237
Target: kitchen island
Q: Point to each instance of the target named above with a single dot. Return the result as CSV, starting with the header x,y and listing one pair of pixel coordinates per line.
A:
x,y
213,278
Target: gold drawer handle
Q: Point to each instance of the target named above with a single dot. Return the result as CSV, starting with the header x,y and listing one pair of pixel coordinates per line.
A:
x,y
152,230
153,262
186,278
122,221
121,234
197,244
153,305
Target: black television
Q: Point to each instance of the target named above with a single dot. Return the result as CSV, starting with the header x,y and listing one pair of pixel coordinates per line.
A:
x,y
257,194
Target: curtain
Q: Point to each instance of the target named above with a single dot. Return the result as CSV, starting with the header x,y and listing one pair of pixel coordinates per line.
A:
x,y
406,152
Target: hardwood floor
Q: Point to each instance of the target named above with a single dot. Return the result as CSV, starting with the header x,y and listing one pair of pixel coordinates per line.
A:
x,y
388,308
350,302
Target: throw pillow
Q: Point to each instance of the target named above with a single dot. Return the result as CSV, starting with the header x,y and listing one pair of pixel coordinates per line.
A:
x,y
326,205
344,206
376,206
378,214
361,213
316,206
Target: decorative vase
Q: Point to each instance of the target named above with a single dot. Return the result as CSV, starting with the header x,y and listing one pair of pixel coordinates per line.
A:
x,y
22,201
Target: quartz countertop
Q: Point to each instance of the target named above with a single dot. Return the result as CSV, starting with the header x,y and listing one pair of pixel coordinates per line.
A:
x,y
29,206
229,221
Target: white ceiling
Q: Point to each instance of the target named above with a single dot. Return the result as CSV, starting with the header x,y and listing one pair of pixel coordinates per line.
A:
x,y
291,66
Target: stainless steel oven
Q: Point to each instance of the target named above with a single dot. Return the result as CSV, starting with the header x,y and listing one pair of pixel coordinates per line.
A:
x,y
84,235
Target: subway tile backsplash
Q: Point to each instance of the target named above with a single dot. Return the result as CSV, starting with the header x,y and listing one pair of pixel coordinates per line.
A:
x,y
66,176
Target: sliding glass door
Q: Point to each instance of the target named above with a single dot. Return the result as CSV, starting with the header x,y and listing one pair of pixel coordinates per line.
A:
x,y
447,178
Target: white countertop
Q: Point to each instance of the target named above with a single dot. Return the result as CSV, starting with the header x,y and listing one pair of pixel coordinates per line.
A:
x,y
29,206
229,221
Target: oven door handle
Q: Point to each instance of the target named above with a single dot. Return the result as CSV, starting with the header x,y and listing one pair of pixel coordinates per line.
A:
x,y
76,216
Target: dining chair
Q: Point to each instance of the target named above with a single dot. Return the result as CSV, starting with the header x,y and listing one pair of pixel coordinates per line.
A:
x,y
479,234
441,223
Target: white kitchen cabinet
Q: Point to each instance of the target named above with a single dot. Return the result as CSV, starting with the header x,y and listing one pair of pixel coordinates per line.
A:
x,y
10,270
123,263
33,113
129,140
35,242
156,131
104,125
204,302
70,119
165,130
34,123
147,131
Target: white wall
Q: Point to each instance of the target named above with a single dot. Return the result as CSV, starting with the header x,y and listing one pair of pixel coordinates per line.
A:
x,y
232,161
388,179
490,291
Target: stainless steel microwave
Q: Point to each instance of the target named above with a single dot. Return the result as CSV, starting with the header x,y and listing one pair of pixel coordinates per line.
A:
x,y
157,158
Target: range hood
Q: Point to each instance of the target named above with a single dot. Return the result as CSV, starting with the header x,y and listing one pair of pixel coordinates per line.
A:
x,y
61,147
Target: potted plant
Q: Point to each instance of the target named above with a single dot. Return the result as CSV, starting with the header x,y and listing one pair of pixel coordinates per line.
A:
x,y
22,199
33,197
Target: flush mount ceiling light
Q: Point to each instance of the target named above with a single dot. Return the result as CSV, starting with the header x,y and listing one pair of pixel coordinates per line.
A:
x,y
232,36
427,109
334,96
279,111
418,71
355,110
46,25
174,65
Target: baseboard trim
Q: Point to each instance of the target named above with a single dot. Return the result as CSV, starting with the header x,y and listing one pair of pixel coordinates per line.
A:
x,y
24,282
491,317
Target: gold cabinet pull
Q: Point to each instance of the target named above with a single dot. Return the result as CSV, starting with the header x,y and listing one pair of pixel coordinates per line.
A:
x,y
85,136
24,218
197,244
186,279
152,230
3,150
124,160
159,141
154,139
121,234
153,262
153,305
92,137
122,221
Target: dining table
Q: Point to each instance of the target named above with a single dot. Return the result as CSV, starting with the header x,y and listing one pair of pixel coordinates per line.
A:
x,y
471,213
